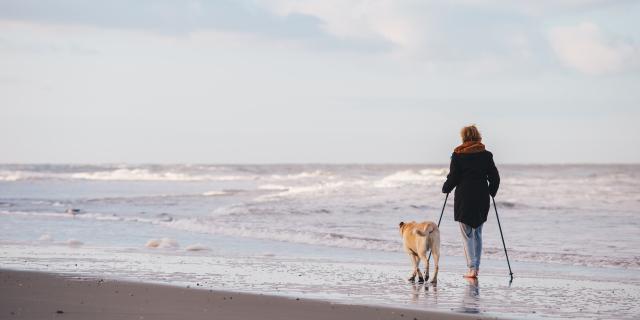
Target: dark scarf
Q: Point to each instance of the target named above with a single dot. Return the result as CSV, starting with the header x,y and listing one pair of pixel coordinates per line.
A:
x,y
470,147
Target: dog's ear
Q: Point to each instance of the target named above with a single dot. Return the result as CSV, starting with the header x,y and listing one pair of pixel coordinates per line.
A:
x,y
429,228
401,224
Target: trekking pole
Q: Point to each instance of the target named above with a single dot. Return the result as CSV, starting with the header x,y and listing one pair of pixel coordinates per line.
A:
x,y
441,213
501,236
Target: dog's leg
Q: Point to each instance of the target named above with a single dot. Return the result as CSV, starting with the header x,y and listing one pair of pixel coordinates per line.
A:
x,y
413,257
436,259
420,279
426,271
426,267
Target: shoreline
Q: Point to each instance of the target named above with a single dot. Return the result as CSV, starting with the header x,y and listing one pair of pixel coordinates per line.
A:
x,y
40,295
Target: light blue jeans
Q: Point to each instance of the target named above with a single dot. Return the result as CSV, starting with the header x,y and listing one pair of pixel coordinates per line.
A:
x,y
472,241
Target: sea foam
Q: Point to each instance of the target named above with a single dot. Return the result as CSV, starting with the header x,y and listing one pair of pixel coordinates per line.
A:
x,y
45,237
162,243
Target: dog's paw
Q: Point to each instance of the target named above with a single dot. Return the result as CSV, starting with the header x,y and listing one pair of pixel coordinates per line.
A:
x,y
434,281
420,280
412,279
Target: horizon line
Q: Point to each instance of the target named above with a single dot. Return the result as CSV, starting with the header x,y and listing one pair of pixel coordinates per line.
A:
x,y
134,163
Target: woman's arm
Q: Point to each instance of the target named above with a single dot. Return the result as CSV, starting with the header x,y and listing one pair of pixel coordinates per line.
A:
x,y
493,177
452,178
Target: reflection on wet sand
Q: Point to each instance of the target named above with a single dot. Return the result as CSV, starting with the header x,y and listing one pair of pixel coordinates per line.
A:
x,y
470,302
415,291
471,297
417,287
614,295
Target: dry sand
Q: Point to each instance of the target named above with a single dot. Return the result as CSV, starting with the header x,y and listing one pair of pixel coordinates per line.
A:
x,y
34,295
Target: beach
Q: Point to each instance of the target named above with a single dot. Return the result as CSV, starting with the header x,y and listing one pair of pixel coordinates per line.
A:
x,y
33,295
322,233
261,159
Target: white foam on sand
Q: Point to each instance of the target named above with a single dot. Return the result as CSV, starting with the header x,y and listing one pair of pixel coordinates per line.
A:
x,y
45,237
214,193
162,243
276,187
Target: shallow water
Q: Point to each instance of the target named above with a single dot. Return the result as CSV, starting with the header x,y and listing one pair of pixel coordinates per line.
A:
x,y
330,231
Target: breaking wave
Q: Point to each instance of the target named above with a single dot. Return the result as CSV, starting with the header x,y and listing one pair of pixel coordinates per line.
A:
x,y
153,174
412,177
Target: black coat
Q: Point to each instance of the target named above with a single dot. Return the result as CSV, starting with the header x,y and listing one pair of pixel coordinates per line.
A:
x,y
469,174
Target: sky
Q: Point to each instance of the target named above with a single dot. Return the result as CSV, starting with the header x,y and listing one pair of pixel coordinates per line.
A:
x,y
318,81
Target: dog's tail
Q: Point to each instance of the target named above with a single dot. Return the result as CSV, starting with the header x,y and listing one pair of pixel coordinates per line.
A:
x,y
424,233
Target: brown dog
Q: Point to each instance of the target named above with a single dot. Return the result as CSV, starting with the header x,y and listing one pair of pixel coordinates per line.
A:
x,y
417,238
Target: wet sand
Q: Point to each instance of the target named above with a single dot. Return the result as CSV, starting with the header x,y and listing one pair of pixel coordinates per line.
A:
x,y
362,278
37,295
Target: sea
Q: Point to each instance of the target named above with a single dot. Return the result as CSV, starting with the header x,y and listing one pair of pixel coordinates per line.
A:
x,y
330,231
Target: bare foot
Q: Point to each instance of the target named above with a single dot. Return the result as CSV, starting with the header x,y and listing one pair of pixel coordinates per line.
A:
x,y
471,274
472,281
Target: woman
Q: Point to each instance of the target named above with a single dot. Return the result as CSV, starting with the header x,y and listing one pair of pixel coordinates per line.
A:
x,y
471,167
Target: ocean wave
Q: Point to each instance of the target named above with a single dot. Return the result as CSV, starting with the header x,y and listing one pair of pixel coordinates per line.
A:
x,y
148,198
87,216
301,175
121,174
214,193
38,214
147,175
132,175
10,176
412,177
150,173
314,189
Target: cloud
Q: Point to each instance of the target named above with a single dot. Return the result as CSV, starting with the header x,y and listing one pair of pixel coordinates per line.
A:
x,y
475,36
184,18
380,19
585,48
162,16
412,23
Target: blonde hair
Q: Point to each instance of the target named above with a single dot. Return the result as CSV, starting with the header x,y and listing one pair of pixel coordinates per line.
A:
x,y
470,133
